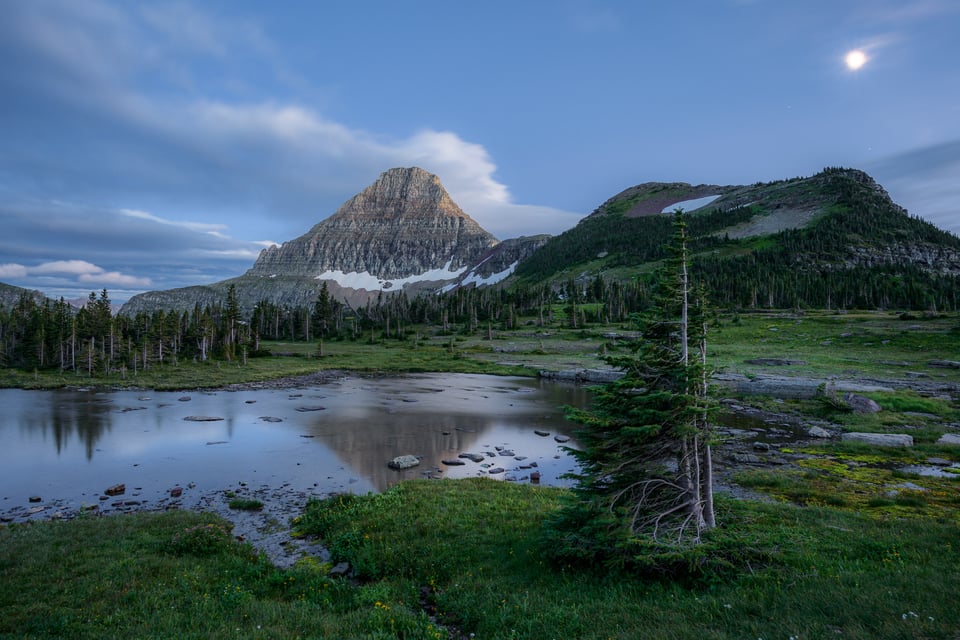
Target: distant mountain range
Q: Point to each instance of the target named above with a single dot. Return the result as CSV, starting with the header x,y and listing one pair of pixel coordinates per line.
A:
x,y
834,239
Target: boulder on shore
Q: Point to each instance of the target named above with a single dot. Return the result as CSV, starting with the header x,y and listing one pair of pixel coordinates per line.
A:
x,y
861,404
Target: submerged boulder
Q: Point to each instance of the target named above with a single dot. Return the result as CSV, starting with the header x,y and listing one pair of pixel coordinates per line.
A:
x,y
403,462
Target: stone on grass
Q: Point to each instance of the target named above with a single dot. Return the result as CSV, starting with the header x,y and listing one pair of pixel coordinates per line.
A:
x,y
945,364
949,438
861,404
818,432
403,462
880,439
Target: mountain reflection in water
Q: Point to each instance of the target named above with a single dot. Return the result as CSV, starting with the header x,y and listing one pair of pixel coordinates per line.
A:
x,y
69,445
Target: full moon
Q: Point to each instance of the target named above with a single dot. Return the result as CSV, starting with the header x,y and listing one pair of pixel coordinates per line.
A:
x,y
855,59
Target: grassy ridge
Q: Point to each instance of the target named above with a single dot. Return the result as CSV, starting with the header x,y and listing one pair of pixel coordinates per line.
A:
x,y
470,549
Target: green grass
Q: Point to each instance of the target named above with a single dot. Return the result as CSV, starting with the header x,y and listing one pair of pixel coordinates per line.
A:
x,y
245,504
472,548
844,345
298,359
867,344
171,575
811,573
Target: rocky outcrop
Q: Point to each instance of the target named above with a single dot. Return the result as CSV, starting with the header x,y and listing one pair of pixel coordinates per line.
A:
x,y
499,263
880,439
10,295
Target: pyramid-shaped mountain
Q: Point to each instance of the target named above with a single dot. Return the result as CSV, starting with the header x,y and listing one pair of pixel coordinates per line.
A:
x,y
402,232
403,228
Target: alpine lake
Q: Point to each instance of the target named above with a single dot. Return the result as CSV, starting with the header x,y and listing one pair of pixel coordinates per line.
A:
x,y
63,452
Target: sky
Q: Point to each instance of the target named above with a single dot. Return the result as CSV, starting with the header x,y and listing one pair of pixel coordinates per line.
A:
x,y
152,145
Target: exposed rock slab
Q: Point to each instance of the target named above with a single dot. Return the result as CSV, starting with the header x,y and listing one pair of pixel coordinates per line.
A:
x,y
880,439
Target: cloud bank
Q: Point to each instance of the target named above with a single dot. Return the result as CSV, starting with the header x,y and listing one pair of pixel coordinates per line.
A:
x,y
126,166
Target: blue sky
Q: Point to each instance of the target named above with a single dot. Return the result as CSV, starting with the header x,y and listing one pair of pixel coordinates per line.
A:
x,y
150,145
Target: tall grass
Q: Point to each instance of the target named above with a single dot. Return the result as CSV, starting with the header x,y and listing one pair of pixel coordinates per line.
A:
x,y
470,550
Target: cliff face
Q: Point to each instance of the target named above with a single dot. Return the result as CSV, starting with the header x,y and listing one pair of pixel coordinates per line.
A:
x,y
401,227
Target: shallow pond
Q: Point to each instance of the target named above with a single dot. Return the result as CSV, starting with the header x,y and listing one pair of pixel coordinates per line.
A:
x,y
68,446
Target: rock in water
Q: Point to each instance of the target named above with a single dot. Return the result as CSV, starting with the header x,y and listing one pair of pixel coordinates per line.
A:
x,y
403,462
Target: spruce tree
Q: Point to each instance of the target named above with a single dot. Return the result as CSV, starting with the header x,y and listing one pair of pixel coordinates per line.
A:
x,y
645,466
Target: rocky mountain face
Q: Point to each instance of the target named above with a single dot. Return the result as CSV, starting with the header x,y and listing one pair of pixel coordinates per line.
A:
x,y
10,295
402,226
403,232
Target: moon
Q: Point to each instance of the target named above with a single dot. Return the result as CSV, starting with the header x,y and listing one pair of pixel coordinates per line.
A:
x,y
855,59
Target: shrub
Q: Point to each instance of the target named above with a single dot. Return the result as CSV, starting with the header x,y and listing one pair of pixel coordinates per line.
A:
x,y
246,504
202,540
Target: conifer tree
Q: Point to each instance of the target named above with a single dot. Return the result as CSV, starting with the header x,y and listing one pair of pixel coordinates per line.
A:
x,y
645,467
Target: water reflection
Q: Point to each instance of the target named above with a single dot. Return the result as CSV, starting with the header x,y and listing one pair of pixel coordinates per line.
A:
x,y
72,413
334,437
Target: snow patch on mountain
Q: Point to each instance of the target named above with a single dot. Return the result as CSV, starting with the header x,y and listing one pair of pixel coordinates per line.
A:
x,y
370,282
689,205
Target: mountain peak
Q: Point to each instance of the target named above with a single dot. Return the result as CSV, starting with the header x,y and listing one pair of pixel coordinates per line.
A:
x,y
403,228
402,193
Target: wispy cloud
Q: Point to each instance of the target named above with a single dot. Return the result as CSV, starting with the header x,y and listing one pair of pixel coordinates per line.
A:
x,y
135,175
898,13
925,180
82,271
73,267
202,227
